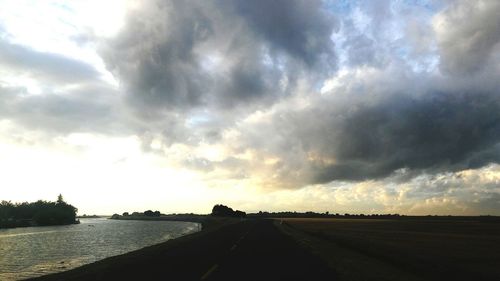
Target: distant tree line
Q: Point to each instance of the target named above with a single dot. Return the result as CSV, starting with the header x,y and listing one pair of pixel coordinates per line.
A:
x,y
310,214
126,215
224,211
39,213
85,216
263,214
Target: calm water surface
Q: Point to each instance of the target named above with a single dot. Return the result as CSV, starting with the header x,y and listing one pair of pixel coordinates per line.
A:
x,y
34,251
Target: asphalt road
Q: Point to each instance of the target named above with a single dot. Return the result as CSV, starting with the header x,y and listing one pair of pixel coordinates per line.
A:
x,y
264,253
249,250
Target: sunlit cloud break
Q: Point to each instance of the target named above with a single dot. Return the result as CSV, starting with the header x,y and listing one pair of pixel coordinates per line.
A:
x,y
339,106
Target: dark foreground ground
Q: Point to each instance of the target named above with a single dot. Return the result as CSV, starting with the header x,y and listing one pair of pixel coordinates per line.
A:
x,y
248,250
407,248
410,248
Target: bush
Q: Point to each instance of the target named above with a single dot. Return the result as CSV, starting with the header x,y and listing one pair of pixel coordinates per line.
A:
x,y
37,213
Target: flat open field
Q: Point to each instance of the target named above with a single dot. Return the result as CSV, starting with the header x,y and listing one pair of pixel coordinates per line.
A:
x,y
404,248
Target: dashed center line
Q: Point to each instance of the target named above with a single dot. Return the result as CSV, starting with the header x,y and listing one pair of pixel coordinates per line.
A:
x,y
215,266
210,271
241,238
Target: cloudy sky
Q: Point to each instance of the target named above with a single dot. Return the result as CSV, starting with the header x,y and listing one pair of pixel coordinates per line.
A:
x,y
340,106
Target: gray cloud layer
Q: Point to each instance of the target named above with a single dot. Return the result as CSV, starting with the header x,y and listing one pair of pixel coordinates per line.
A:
x,y
192,71
381,121
184,54
301,28
468,35
441,130
47,67
88,105
86,109
366,131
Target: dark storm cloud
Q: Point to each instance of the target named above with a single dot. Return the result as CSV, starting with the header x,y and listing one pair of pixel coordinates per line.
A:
x,y
186,54
301,28
47,67
437,132
154,55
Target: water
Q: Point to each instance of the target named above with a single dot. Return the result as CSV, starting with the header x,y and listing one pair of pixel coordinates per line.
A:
x,y
34,251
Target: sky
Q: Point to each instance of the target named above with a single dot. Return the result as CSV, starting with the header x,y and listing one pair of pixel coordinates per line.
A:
x,y
339,106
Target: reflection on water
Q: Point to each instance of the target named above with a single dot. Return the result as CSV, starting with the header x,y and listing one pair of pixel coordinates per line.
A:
x,y
34,251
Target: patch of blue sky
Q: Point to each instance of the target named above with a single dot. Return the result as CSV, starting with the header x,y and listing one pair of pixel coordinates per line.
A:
x,y
431,5
389,34
345,7
340,6
198,119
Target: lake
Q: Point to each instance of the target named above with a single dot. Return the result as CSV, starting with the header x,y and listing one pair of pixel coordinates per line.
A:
x,y
34,251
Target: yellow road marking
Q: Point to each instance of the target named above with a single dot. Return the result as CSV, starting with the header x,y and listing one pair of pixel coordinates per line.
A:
x,y
212,269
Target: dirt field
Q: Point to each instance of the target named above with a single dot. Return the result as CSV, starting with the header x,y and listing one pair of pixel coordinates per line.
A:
x,y
409,249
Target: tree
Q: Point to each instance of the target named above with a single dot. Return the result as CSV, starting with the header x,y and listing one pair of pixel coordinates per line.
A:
x,y
239,214
224,211
60,199
37,213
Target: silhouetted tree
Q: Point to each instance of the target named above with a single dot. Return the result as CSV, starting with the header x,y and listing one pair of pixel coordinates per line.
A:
x,y
224,211
239,214
60,199
37,213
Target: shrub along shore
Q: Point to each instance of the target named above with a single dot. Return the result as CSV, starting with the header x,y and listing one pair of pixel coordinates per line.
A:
x,y
39,213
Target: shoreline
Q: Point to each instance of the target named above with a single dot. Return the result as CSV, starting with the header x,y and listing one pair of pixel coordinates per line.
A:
x,y
31,224
206,221
208,226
